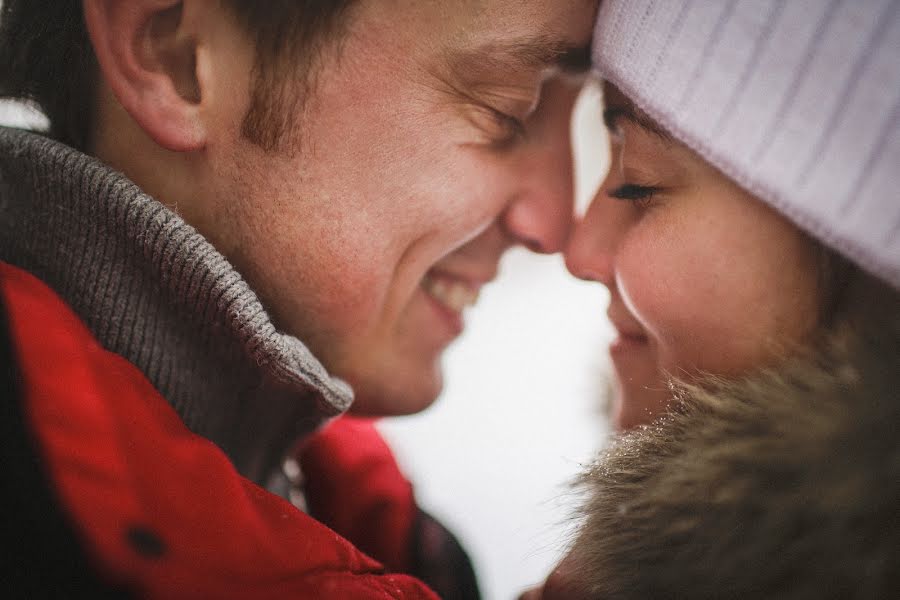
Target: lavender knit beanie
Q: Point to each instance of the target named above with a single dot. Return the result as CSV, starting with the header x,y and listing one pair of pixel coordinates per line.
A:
x,y
797,101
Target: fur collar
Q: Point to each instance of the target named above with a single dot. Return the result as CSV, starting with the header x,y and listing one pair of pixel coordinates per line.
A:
x,y
783,485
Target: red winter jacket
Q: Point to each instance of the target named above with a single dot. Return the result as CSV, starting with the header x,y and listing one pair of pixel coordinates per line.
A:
x,y
160,512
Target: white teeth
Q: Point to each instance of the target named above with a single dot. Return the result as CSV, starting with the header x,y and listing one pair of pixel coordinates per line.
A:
x,y
454,295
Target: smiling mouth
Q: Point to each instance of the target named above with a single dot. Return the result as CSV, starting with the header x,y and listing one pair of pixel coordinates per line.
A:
x,y
452,294
637,338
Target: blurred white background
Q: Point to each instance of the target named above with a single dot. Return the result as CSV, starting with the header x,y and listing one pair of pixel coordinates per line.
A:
x,y
521,410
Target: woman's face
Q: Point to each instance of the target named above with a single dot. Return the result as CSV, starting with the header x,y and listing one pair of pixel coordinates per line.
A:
x,y
702,276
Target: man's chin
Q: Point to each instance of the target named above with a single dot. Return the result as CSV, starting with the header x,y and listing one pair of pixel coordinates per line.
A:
x,y
397,398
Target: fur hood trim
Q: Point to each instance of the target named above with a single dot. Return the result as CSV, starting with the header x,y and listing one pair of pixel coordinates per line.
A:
x,y
783,485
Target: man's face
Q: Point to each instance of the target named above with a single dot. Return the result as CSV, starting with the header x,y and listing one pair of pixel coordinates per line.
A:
x,y
408,182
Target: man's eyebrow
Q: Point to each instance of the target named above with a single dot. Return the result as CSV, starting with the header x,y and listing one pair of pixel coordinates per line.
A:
x,y
523,54
612,114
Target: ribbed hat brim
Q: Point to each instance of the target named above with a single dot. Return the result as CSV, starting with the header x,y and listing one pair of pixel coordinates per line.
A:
x,y
798,102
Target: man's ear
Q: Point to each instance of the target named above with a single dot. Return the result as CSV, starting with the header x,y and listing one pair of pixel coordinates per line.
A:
x,y
147,55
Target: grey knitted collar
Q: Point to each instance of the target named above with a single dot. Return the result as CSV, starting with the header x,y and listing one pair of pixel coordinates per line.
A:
x,y
153,290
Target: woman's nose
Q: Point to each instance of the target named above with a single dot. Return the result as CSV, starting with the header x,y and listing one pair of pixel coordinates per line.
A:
x,y
590,253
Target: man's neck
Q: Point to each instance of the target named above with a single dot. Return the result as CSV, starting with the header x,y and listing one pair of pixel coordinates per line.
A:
x,y
155,291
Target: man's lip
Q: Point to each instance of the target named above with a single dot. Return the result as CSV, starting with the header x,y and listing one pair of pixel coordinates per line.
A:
x,y
452,292
474,280
453,319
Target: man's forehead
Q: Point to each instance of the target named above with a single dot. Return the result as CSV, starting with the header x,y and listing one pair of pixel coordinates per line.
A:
x,y
526,35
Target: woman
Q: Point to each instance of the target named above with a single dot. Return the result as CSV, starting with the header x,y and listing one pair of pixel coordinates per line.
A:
x,y
749,235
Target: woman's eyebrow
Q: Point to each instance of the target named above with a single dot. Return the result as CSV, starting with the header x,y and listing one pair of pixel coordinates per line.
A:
x,y
612,114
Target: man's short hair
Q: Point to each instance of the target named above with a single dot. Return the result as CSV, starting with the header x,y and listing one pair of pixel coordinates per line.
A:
x,y
46,59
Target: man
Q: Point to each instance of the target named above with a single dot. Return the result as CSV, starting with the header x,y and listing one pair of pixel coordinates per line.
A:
x,y
321,189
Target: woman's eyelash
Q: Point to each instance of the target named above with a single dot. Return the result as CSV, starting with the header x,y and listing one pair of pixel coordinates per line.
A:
x,y
634,193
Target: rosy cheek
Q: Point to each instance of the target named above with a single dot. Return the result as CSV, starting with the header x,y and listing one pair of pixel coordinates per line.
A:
x,y
645,286
706,324
668,296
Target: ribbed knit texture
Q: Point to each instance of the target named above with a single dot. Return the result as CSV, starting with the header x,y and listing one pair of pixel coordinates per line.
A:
x,y
797,101
156,292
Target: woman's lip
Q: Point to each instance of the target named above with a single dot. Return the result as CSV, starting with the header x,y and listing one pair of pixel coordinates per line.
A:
x,y
626,341
624,324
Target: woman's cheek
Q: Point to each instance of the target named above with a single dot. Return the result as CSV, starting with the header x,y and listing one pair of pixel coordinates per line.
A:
x,y
682,299
651,283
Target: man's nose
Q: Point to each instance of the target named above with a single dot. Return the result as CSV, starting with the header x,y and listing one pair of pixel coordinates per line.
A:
x,y
540,216
541,221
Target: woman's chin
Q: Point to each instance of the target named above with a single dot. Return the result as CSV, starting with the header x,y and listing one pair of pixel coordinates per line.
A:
x,y
638,403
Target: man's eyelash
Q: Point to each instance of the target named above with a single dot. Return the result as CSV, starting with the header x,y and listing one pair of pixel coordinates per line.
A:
x,y
513,128
634,193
